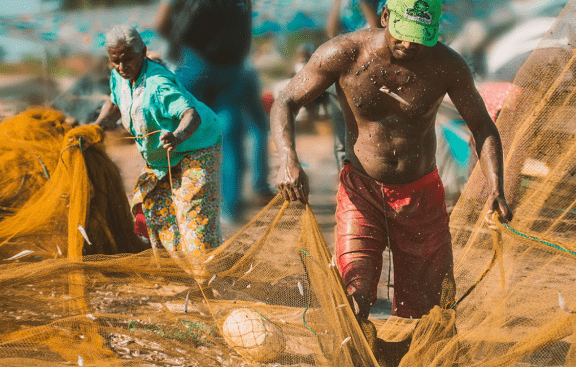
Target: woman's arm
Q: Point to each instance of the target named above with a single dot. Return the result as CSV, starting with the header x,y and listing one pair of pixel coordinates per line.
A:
x,y
109,114
189,123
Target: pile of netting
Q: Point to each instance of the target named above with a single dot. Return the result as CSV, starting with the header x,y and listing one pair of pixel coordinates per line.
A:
x,y
271,295
57,188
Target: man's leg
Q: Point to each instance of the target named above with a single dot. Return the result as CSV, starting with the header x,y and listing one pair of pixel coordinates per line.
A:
x,y
420,243
232,162
418,280
257,125
361,238
229,106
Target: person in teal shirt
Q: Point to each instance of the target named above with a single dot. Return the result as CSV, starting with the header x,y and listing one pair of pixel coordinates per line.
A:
x,y
178,136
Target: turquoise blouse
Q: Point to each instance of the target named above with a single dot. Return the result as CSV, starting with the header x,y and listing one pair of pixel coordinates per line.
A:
x,y
156,101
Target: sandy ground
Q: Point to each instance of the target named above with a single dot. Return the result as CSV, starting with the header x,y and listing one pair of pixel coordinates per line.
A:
x,y
314,144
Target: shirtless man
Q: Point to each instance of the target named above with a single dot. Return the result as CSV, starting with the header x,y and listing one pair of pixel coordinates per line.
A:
x,y
390,83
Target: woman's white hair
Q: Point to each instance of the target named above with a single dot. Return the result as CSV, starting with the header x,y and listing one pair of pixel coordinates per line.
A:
x,y
124,35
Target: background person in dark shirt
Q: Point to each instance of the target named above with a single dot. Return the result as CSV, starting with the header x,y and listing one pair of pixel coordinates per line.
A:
x,y
210,40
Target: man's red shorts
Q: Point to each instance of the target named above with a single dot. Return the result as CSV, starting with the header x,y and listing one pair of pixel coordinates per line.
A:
x,y
413,218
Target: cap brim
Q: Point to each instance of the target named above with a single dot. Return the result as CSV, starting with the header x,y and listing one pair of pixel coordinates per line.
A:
x,y
412,31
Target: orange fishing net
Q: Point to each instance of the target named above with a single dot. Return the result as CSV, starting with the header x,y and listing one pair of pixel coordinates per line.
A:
x,y
60,188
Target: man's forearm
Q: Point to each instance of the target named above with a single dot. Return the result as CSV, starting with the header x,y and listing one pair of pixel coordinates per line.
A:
x,y
292,181
489,149
283,130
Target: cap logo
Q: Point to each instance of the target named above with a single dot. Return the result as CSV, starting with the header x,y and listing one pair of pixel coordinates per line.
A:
x,y
430,36
419,13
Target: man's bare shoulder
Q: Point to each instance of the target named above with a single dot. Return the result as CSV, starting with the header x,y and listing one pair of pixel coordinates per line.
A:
x,y
342,50
449,60
357,42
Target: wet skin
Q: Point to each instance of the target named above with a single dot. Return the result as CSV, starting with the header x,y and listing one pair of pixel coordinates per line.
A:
x,y
388,140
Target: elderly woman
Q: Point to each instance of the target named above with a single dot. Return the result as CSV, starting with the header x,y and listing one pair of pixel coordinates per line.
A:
x,y
178,137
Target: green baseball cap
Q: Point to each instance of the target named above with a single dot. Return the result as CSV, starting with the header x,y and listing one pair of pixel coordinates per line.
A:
x,y
415,20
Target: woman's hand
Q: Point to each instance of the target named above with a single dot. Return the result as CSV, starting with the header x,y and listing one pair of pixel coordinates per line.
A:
x,y
109,114
170,141
189,123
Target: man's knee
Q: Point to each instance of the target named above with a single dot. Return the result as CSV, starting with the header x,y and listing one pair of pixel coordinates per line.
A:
x,y
360,304
360,272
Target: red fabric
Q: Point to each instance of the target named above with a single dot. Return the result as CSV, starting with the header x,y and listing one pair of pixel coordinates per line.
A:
x,y
140,223
267,100
417,221
495,94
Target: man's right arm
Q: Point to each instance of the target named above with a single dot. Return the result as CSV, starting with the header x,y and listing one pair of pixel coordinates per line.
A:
x,y
109,114
321,71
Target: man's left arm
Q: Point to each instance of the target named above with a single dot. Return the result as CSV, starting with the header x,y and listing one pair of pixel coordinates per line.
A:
x,y
470,105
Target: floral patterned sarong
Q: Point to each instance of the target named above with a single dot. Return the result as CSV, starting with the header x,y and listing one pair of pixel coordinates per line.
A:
x,y
186,219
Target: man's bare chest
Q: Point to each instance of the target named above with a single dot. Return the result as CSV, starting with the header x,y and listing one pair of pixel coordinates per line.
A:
x,y
375,90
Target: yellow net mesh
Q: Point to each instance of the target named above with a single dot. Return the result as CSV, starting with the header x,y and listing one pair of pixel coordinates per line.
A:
x,y
26,158
58,193
155,307
271,295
